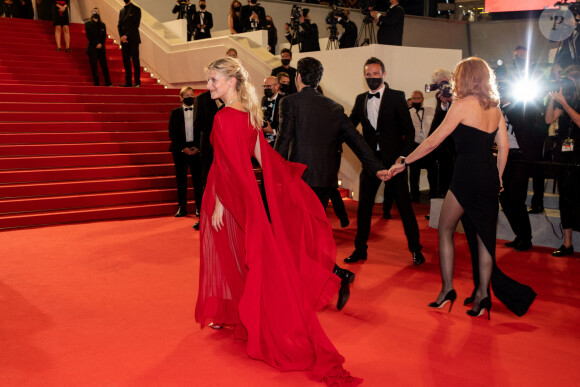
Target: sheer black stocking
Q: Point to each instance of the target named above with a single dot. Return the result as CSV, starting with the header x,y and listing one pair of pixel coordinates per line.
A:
x,y
485,267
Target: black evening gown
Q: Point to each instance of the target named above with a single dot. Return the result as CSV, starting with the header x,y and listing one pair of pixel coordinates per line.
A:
x,y
476,185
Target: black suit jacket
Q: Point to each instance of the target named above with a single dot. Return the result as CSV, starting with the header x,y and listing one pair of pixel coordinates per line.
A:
x,y
307,37
527,124
129,21
312,128
177,130
245,14
395,133
391,27
96,34
205,110
208,21
188,14
348,37
275,122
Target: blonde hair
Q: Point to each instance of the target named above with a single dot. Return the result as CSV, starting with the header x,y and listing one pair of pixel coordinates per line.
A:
x,y
184,90
473,76
231,67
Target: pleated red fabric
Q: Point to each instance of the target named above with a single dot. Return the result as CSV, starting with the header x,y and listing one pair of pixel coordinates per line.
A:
x,y
267,277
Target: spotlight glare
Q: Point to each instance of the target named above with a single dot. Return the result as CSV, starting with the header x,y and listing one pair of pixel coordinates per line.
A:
x,y
525,90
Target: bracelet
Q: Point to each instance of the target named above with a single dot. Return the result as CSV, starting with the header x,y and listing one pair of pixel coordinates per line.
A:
x,y
403,163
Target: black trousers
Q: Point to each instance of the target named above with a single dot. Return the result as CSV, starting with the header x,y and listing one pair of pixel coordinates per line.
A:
x,y
399,188
182,162
338,204
513,198
323,194
130,53
101,57
415,175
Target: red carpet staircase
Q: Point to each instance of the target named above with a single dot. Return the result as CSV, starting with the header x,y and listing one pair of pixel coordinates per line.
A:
x,y
70,151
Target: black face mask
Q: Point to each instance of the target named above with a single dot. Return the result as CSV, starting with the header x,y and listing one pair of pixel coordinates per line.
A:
x,y
285,88
268,93
96,17
417,105
285,62
237,9
202,6
188,101
374,83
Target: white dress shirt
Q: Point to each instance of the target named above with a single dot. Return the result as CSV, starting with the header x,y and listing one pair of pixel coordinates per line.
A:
x,y
422,120
188,119
373,105
512,141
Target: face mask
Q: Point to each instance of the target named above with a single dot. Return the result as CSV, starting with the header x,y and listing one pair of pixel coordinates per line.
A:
x,y
268,93
202,6
285,62
96,17
188,101
285,88
374,83
417,105
237,9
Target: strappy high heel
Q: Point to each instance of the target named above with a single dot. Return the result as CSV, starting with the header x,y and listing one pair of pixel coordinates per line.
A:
x,y
449,297
484,304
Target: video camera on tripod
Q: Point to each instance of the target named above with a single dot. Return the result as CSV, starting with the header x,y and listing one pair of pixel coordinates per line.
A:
x,y
572,7
295,14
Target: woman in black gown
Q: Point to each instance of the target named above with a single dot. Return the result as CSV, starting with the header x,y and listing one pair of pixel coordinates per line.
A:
x,y
61,22
475,122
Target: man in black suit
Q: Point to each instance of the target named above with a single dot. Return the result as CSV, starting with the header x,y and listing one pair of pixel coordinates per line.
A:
x,y
203,22
253,16
390,25
185,10
185,148
129,21
388,130
307,35
270,107
96,32
311,130
286,58
348,37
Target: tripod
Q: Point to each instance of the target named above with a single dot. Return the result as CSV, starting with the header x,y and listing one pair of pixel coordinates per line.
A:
x,y
332,38
367,33
295,38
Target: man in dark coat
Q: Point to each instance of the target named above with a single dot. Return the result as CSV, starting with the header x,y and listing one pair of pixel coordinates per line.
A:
x,y
311,130
96,32
129,21
390,25
203,22
307,35
253,16
348,37
388,130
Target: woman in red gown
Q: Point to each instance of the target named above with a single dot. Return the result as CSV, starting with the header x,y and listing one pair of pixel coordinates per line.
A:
x,y
265,273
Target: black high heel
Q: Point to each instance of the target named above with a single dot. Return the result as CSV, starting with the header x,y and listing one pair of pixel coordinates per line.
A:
x,y
469,300
450,296
484,304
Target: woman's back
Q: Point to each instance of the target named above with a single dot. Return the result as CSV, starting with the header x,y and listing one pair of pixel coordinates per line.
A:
x,y
474,115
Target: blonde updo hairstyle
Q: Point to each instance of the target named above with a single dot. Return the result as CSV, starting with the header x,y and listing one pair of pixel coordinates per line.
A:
x,y
231,67
473,76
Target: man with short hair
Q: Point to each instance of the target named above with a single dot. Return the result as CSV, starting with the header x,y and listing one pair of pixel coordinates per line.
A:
x,y
129,21
388,130
307,35
270,105
203,22
311,130
286,58
185,150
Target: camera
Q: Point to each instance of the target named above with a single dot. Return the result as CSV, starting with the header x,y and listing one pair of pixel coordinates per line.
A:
x,y
333,16
444,88
295,15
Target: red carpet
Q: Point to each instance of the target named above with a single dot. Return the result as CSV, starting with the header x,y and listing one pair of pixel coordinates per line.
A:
x,y
73,152
111,304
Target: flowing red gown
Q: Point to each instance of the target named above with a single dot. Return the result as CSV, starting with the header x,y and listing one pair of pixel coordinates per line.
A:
x,y
269,277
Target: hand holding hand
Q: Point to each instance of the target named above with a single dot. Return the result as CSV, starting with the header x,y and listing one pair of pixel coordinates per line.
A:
x,y
217,219
396,169
383,174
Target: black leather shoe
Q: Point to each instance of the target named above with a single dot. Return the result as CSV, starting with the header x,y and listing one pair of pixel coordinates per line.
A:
x,y
512,243
196,225
522,245
344,222
535,210
387,215
347,278
563,251
418,258
181,212
356,256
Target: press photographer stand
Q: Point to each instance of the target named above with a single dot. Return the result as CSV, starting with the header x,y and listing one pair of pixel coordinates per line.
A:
x,y
367,33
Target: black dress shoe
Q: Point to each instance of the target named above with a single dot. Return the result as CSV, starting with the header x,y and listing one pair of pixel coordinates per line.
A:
x,y
512,243
356,256
523,245
346,278
563,251
418,258
196,225
387,215
197,213
535,210
344,222
181,212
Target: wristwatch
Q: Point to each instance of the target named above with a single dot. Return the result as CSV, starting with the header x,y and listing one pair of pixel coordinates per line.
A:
x,y
402,162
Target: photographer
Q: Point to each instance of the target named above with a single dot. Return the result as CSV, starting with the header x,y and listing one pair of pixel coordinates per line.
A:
x,y
203,22
185,10
348,37
306,35
390,25
563,106
270,104
253,16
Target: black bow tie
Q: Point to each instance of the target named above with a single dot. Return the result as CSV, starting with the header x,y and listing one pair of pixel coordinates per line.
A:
x,y
378,95
186,109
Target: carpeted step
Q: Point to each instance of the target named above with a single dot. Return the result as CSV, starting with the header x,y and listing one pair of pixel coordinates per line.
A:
x,y
145,100
73,89
82,117
58,127
84,107
88,137
90,173
78,149
33,162
45,189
